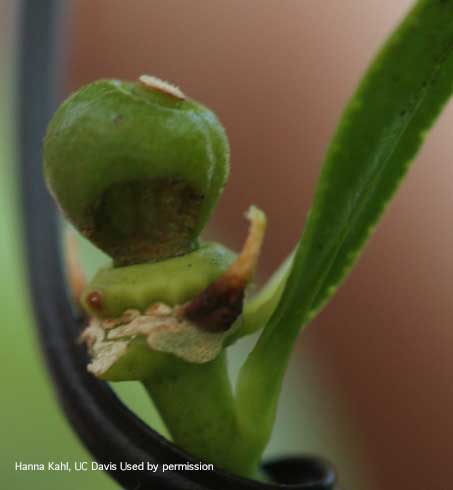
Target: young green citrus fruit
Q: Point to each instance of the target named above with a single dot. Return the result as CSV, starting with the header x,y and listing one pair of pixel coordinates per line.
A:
x,y
136,167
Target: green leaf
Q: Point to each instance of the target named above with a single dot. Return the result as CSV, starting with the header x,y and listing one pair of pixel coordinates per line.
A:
x,y
379,134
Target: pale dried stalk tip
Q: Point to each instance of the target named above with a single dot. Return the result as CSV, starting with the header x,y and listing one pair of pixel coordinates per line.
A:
x,y
154,83
244,265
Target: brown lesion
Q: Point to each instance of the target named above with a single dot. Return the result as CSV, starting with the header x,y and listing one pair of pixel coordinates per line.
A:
x,y
217,307
95,300
145,220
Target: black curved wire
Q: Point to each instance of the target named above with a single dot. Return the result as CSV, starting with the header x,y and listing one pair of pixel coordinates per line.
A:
x,y
109,430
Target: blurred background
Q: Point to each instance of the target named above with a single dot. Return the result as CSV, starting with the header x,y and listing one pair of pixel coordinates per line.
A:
x,y
371,384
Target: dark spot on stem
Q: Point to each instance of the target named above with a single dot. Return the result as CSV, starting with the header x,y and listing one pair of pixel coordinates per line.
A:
x,y
217,307
143,220
94,300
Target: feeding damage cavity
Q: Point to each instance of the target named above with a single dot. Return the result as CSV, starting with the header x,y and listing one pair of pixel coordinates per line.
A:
x,y
194,331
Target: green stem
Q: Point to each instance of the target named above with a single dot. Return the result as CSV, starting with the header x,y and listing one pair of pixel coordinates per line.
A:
x,y
197,405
